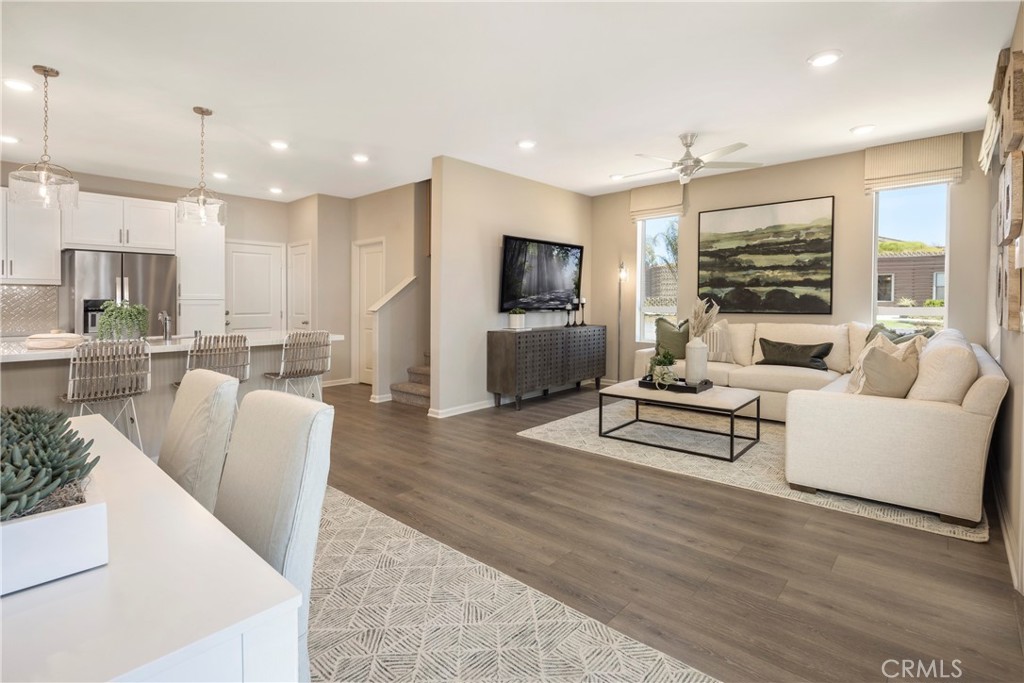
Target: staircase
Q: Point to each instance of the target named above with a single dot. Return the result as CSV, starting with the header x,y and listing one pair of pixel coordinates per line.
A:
x,y
415,392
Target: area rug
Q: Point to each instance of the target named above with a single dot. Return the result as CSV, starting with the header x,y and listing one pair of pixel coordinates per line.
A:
x,y
389,603
760,469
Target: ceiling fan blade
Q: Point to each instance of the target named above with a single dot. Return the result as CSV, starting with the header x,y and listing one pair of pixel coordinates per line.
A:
x,y
722,151
656,170
732,164
648,156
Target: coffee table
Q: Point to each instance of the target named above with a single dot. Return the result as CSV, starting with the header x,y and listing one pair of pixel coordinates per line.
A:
x,y
726,401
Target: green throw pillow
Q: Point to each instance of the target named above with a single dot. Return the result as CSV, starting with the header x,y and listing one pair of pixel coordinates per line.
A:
x,y
897,337
797,355
672,338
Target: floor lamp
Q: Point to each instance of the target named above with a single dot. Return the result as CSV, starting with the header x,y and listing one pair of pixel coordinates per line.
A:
x,y
618,325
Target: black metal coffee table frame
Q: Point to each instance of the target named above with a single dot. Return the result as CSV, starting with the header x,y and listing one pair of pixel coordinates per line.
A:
x,y
733,454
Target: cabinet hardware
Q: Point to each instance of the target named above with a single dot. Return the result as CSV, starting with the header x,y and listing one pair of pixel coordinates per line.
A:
x,y
127,236
305,322
120,235
10,267
179,312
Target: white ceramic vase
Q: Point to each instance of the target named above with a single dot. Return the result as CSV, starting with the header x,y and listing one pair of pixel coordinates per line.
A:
x,y
516,321
696,361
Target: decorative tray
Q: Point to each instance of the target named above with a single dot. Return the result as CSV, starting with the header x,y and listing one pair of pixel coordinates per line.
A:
x,y
679,385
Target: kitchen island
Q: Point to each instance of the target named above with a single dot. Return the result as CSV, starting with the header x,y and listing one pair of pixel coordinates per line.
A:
x,y
39,377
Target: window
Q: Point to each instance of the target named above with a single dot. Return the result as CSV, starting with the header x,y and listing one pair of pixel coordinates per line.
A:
x,y
885,288
911,224
939,286
657,287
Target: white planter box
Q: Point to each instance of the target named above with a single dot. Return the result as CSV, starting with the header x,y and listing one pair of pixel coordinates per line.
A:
x,y
51,545
516,321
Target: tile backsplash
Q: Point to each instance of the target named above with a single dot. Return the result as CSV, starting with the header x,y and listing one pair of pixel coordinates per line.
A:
x,y
27,309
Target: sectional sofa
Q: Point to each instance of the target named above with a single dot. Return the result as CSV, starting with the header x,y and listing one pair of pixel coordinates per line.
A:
x,y
927,451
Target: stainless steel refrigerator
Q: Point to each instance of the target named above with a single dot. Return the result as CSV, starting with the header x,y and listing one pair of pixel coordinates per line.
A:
x,y
92,277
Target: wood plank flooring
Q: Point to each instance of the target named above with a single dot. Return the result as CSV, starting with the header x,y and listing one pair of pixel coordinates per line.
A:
x,y
743,586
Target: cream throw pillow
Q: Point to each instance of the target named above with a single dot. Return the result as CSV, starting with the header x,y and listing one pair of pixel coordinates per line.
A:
x,y
886,369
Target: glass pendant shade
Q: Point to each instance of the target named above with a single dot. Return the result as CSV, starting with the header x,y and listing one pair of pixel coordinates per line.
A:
x,y
202,206
44,184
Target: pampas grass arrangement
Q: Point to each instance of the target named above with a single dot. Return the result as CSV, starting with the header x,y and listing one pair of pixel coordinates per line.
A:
x,y
702,317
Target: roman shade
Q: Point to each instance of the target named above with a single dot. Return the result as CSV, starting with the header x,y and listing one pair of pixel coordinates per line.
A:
x,y
918,162
656,200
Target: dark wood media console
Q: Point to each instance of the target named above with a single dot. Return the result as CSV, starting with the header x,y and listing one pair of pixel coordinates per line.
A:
x,y
543,357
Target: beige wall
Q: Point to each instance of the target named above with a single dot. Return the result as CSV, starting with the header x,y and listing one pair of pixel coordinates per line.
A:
x,y
333,285
841,176
1009,465
472,207
248,219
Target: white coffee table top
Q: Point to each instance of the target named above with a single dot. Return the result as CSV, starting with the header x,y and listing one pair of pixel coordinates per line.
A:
x,y
726,399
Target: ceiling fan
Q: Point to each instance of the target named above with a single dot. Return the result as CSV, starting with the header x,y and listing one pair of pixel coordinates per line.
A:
x,y
687,165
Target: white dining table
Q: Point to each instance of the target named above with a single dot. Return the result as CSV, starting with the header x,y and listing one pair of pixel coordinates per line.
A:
x,y
180,599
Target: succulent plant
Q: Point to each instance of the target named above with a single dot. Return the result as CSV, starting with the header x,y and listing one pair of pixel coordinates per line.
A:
x,y
39,454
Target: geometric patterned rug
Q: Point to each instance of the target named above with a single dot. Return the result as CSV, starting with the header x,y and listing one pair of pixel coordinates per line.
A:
x,y
389,603
762,468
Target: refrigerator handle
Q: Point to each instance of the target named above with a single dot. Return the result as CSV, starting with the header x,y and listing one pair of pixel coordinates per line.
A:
x,y
127,297
117,289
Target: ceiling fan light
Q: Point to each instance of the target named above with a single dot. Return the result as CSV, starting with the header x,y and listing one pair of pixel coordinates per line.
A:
x,y
617,176
863,130
44,184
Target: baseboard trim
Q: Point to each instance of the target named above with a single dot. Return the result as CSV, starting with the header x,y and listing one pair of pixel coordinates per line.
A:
x,y
380,398
459,410
1009,537
338,382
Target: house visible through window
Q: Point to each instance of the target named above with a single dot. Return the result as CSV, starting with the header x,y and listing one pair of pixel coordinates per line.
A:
x,y
910,256
885,288
657,287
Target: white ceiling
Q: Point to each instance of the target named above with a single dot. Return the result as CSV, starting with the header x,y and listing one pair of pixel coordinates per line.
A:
x,y
592,83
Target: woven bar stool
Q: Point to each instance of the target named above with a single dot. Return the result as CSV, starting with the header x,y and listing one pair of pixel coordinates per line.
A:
x,y
110,371
228,354
305,356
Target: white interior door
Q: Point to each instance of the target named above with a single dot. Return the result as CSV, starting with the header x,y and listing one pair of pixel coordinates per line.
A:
x,y
300,277
370,262
254,275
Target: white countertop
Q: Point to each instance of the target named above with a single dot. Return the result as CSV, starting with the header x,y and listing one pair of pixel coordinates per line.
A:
x,y
12,351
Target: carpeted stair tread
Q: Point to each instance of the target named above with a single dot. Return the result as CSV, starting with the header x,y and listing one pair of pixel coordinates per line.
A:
x,y
419,374
411,393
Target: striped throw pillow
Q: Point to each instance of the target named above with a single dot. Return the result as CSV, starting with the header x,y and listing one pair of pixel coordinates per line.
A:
x,y
719,342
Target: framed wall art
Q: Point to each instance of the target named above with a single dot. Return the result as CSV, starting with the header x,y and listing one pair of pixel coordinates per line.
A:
x,y
768,258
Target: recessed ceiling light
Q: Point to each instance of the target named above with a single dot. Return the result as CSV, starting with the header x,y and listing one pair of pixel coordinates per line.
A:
x,y
863,130
20,86
276,190
826,58
220,175
9,139
617,176
526,144
360,158
279,145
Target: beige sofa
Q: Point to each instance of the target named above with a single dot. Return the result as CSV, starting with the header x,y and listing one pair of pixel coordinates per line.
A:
x,y
774,382
927,451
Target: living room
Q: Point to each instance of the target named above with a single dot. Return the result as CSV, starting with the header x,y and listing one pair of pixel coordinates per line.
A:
x,y
470,482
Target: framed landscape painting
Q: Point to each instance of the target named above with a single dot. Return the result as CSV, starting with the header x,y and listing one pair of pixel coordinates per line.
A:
x,y
769,258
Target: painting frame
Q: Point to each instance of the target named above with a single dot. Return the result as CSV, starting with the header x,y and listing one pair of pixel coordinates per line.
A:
x,y
775,258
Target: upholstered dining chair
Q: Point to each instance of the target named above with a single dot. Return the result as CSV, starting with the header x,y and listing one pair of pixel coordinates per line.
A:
x,y
196,438
273,487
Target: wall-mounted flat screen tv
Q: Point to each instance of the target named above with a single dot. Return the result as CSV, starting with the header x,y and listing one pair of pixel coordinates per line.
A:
x,y
538,275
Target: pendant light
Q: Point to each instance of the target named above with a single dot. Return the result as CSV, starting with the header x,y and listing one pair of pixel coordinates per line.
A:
x,y
43,184
201,205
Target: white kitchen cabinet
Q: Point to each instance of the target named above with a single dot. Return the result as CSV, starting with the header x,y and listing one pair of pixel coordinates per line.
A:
x,y
29,244
200,250
114,223
206,315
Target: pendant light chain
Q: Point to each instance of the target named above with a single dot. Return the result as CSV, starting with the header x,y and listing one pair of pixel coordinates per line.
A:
x,y
46,118
202,152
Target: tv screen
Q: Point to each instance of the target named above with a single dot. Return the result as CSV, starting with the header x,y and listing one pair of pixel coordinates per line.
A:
x,y
538,275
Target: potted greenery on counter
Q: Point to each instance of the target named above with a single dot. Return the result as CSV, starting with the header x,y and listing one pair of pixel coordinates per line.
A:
x,y
122,321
